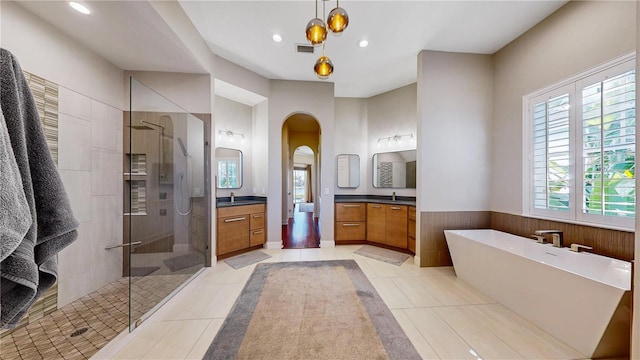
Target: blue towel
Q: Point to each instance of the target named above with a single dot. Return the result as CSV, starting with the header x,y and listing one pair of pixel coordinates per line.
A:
x,y
32,267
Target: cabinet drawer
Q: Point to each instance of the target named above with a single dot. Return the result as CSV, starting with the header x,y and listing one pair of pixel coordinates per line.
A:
x,y
411,244
350,231
233,233
257,237
240,209
350,212
257,221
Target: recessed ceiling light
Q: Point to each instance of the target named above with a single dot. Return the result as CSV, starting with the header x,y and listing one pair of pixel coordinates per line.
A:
x,y
363,43
79,7
277,38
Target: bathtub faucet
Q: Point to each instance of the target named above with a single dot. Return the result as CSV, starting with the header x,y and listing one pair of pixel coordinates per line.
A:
x,y
556,234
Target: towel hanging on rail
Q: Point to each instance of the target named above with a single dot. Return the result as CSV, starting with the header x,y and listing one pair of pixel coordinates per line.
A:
x,y
32,267
15,218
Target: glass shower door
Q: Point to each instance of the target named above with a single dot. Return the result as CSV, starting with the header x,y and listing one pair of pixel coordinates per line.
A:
x,y
168,191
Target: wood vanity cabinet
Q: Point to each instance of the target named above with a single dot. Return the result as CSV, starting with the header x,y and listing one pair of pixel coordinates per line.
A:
x,y
376,223
350,221
239,228
396,225
411,229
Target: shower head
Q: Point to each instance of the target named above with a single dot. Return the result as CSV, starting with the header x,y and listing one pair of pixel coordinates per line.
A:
x,y
184,150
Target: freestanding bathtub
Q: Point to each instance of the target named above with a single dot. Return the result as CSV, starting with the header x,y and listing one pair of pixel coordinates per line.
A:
x,y
582,299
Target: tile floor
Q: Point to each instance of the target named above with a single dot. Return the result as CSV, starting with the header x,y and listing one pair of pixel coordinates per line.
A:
x,y
441,315
104,314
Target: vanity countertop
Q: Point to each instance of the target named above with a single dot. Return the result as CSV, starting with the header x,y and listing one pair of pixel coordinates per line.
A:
x,y
240,201
400,200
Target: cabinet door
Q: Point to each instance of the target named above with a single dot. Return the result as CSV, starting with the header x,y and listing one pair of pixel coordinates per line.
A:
x,y
411,229
396,226
233,234
354,230
375,223
350,212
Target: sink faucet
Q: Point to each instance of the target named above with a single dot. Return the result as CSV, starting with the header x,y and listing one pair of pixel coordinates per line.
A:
x,y
393,196
233,197
556,235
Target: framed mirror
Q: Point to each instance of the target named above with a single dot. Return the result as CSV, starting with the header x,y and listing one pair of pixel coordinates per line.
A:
x,y
229,168
348,170
395,169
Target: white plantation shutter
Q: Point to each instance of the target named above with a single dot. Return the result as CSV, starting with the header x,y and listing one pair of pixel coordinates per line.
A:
x,y
608,146
581,147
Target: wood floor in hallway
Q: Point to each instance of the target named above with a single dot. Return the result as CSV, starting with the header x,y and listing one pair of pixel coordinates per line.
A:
x,y
302,231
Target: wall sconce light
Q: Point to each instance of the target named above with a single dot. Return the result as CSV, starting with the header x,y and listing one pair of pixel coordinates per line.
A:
x,y
230,135
396,139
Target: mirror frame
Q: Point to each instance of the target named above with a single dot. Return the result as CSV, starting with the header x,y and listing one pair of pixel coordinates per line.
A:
x,y
373,171
356,156
241,166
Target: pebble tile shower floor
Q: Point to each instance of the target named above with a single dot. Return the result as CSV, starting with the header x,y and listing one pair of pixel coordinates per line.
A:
x,y
104,314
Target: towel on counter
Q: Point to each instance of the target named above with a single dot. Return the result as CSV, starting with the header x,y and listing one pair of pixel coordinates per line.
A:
x,y
31,268
15,218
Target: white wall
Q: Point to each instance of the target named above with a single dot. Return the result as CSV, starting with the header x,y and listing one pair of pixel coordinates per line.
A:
x,y
191,92
90,144
317,100
233,116
351,138
260,148
564,44
46,52
454,112
388,114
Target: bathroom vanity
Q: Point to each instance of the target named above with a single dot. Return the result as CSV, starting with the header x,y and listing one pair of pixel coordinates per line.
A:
x,y
241,227
375,221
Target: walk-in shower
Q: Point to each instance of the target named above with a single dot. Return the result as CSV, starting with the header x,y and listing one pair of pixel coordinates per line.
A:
x,y
166,204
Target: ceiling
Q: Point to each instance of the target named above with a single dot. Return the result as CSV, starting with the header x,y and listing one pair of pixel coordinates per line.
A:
x,y
133,36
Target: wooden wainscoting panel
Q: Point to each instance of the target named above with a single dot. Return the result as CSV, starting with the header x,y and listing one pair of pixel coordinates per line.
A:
x,y
613,243
433,245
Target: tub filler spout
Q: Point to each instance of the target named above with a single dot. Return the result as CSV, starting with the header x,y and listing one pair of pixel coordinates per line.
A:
x,y
556,235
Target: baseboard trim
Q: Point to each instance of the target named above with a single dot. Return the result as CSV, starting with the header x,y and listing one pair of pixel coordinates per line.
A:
x,y
327,243
273,245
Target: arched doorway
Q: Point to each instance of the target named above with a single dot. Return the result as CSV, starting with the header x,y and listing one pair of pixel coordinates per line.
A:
x,y
301,174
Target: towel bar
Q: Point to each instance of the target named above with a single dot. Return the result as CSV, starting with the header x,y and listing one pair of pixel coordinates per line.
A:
x,y
123,245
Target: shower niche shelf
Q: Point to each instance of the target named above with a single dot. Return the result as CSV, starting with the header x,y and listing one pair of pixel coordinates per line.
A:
x,y
135,183
138,163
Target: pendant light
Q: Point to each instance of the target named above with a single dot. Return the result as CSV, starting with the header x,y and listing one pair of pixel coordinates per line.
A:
x,y
316,29
338,19
323,67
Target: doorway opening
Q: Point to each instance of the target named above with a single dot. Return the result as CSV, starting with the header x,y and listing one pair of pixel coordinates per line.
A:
x,y
301,174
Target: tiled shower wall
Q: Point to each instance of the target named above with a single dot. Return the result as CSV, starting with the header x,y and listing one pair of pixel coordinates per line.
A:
x,y
90,164
434,250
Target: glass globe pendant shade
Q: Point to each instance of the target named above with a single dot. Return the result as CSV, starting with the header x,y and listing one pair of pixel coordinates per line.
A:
x,y
323,67
338,20
316,31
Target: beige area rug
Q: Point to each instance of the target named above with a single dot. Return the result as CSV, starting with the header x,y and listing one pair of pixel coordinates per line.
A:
x,y
310,310
386,255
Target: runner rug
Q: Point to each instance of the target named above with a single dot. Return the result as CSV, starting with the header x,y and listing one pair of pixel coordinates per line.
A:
x,y
310,310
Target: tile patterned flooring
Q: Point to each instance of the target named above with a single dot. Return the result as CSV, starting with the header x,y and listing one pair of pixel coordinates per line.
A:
x,y
442,316
104,313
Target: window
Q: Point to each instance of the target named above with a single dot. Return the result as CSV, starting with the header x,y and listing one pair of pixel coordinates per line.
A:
x,y
581,148
228,174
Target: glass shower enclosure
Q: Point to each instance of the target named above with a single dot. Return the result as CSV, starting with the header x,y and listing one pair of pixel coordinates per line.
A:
x,y
167,199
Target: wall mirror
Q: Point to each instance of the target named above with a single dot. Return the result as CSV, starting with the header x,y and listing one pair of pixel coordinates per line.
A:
x,y
229,165
348,170
395,169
